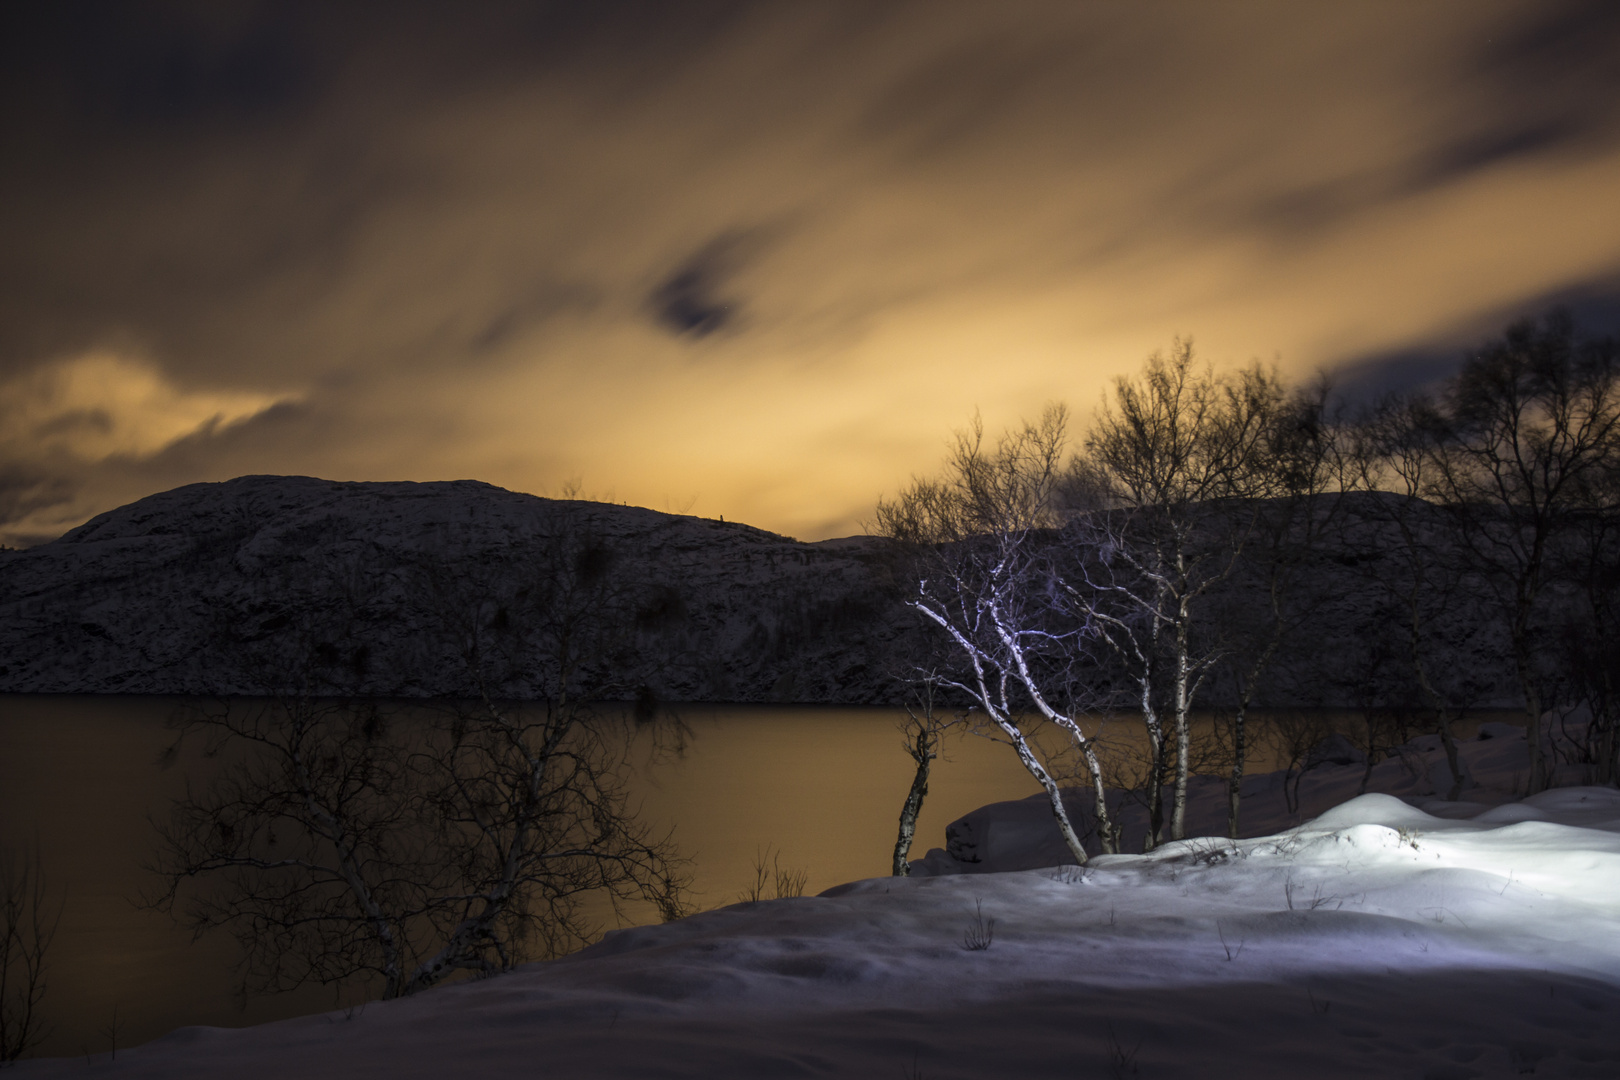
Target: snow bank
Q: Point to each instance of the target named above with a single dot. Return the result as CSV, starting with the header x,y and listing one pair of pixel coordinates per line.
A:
x,y
1020,834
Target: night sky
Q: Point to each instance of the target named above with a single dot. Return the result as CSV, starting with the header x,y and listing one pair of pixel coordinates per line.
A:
x,y
747,259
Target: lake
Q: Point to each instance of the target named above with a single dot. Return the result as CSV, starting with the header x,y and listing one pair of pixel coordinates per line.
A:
x,y
821,788
817,788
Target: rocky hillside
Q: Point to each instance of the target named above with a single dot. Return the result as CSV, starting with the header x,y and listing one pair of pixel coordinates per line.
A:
x,y
199,589
270,582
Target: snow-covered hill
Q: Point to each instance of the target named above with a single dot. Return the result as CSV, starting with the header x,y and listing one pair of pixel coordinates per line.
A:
x,y
176,593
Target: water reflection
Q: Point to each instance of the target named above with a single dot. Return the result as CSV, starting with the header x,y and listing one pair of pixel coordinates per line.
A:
x,y
819,787
79,775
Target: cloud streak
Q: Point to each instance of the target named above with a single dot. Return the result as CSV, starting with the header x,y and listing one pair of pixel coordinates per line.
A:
x,y
74,415
101,405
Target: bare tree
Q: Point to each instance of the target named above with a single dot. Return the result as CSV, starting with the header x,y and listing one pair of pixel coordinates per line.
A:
x,y
772,881
533,797
1410,556
1590,635
1266,608
1250,641
348,841
308,846
927,723
982,537
1173,466
1293,735
1519,432
28,922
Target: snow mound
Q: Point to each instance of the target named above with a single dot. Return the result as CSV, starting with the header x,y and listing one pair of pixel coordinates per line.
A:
x,y
1375,809
1403,791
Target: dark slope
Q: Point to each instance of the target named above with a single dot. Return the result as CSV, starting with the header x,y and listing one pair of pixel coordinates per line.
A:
x,y
187,592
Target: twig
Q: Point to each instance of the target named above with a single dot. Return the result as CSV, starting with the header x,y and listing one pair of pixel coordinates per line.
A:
x,y
1121,1061
111,1031
1230,955
980,932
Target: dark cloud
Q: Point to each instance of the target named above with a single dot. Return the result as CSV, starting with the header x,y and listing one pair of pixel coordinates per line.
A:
x,y
127,66
201,64
696,299
25,491
1398,371
1544,86
1594,308
564,32
1561,55
524,312
1315,207
1491,147
970,92
1551,80
261,74
1597,315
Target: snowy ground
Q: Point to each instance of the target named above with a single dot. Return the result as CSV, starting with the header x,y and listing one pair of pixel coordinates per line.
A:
x,y
1480,938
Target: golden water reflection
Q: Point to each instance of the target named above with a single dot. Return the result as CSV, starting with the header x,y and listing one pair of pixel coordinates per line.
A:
x,y
818,788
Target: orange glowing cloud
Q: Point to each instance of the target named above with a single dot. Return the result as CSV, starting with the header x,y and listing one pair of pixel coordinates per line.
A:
x,y
100,405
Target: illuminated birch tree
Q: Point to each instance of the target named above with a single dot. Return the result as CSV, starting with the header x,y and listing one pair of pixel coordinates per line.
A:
x,y
1170,474
983,538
